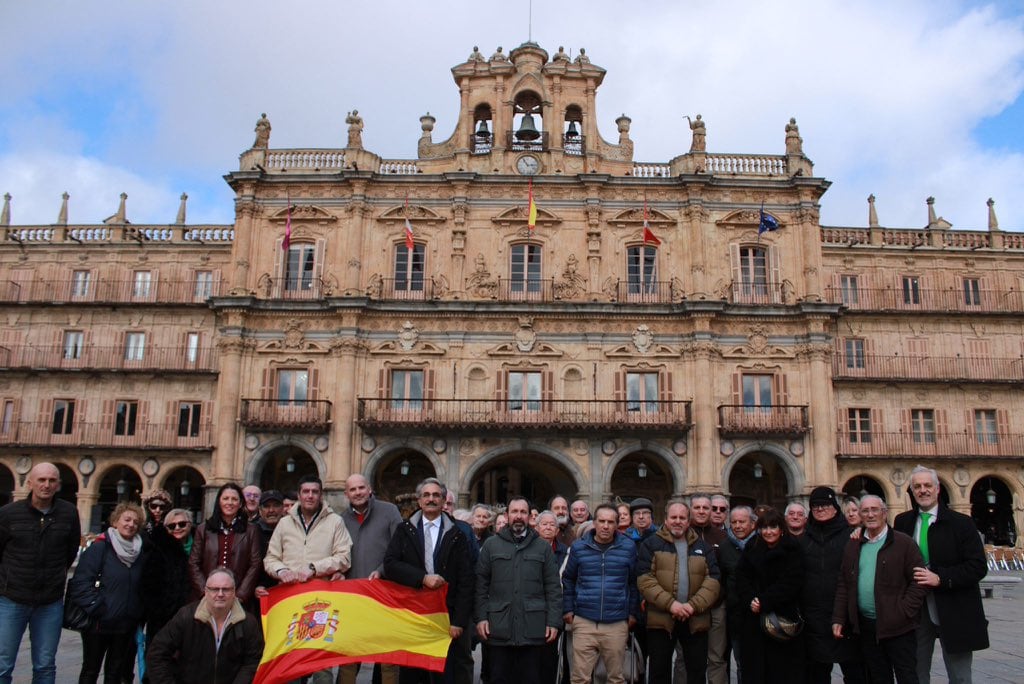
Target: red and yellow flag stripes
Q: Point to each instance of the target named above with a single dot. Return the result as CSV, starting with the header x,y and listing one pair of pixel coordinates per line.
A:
x,y
313,626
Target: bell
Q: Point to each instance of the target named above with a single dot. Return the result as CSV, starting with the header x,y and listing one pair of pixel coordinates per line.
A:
x,y
572,131
527,131
481,131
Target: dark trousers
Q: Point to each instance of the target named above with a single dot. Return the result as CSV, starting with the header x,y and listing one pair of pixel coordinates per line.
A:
x,y
661,646
116,648
516,664
883,658
821,673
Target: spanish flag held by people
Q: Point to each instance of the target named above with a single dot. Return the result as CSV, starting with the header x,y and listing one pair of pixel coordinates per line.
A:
x,y
316,625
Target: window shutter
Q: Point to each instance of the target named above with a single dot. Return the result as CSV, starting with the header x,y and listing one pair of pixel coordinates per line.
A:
x,y
620,380
971,428
314,383
774,273
737,269
107,419
547,385
382,383
45,412
737,388
280,264
941,424
319,267
907,426
665,386
429,386
782,389
267,390
217,275
499,385
142,420
876,422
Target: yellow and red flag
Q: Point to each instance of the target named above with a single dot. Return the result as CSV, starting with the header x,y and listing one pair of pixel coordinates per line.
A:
x,y
409,242
531,221
316,625
287,242
649,236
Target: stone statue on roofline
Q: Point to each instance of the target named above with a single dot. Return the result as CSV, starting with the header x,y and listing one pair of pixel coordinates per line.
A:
x,y
582,57
794,143
499,56
262,133
355,129
561,55
476,55
699,143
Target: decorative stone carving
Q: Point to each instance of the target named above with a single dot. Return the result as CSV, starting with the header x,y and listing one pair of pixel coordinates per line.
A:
x,y
440,286
794,143
293,335
408,336
643,338
355,129
698,143
961,476
262,133
480,282
572,283
525,337
375,288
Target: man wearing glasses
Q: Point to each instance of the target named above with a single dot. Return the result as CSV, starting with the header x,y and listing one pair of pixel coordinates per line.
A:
x,y
213,640
252,502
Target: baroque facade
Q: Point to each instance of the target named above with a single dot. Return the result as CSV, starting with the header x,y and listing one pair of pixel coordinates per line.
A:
x,y
401,318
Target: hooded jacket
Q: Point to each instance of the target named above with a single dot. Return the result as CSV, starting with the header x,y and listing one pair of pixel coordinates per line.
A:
x,y
658,580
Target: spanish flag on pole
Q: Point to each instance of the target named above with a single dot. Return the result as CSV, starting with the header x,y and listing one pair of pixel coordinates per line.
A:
x,y
531,221
317,625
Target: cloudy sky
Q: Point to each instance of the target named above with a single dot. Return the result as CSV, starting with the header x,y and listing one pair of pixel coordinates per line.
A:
x,y
901,99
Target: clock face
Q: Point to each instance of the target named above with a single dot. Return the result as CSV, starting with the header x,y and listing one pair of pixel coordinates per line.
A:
x,y
528,165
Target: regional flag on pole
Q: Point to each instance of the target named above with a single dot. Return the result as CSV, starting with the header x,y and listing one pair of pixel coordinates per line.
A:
x,y
767,222
286,243
316,625
649,236
531,221
409,244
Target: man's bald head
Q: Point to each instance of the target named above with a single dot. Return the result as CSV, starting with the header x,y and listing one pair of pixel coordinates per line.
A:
x,y
43,484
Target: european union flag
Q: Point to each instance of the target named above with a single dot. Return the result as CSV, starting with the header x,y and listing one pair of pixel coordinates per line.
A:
x,y
767,223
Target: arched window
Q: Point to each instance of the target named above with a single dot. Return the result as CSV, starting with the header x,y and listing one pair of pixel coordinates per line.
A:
x,y
573,141
481,137
527,123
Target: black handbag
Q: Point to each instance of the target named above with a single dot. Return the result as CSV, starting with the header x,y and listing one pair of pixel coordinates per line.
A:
x,y
75,617
782,628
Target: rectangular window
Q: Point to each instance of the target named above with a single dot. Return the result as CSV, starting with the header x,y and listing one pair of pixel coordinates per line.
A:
x,y
754,271
854,353
922,426
972,292
911,290
73,343
292,387
63,416
641,269
299,273
859,425
7,419
125,415
409,268
642,392
80,283
189,415
134,346
142,284
525,268
192,347
407,389
848,290
524,391
985,426
757,391
204,285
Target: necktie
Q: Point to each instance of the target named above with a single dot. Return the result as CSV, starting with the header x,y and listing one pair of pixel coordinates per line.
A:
x,y
926,519
428,547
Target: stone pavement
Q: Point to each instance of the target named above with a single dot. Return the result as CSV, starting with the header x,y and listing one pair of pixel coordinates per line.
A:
x,y
1003,663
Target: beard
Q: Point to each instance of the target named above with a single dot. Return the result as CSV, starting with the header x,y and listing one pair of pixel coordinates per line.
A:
x,y
518,527
563,520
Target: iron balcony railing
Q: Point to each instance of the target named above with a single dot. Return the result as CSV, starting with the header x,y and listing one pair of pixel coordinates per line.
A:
x,y
574,145
303,288
911,298
937,368
418,289
516,145
168,435
89,357
782,419
756,293
311,415
646,292
515,415
526,290
103,291
930,444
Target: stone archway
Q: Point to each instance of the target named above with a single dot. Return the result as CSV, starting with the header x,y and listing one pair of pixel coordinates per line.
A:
x,y
861,485
762,474
534,471
395,476
120,482
279,463
992,510
634,472
186,485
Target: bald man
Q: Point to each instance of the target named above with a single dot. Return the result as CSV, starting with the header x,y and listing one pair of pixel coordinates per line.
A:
x,y
39,538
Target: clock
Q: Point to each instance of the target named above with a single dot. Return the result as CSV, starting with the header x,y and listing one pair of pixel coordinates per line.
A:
x,y
528,165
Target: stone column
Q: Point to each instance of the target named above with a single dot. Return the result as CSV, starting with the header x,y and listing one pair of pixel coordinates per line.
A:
x,y
86,500
703,469
359,211
344,449
229,397
819,455
245,225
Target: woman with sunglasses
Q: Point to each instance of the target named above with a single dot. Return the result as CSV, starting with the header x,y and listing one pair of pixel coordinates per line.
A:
x,y
226,539
166,583
157,504
769,579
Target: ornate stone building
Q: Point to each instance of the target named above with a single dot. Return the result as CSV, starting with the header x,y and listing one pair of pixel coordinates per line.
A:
x,y
664,328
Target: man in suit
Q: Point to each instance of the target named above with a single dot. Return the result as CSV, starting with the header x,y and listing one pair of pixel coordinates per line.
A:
x,y
954,563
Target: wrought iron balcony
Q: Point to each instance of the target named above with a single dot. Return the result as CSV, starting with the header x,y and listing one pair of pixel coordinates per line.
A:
x,y
307,415
169,435
919,299
88,357
415,289
647,292
757,293
526,290
299,288
929,444
934,368
574,145
782,419
105,291
516,145
549,415
479,144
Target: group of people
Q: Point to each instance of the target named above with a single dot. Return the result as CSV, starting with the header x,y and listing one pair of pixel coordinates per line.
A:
x,y
549,595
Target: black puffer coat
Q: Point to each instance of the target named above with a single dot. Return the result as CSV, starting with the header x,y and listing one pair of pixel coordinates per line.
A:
x,y
117,603
823,544
36,550
165,579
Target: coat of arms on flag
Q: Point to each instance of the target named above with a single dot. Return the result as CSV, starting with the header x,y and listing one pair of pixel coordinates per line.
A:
x,y
314,623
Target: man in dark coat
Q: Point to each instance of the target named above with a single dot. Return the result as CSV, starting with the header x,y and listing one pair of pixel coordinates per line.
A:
x,y
39,538
448,562
740,532
954,560
823,542
518,599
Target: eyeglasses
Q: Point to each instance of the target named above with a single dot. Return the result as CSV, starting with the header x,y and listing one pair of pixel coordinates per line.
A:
x,y
181,525
719,509
219,590
158,506
252,495
821,507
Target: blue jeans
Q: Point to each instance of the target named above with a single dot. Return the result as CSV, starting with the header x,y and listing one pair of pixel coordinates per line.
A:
x,y
44,625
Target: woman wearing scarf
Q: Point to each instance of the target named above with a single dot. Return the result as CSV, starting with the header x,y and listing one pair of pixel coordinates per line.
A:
x,y
226,540
115,562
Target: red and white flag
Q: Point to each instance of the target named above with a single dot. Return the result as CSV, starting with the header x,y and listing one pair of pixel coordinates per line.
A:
x,y
649,237
409,244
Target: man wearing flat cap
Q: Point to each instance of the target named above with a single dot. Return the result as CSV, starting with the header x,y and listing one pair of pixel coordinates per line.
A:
x,y
641,510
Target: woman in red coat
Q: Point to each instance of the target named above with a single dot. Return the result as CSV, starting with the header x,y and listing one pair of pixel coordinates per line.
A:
x,y
227,539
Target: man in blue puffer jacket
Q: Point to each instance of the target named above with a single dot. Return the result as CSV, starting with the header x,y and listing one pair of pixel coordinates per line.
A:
x,y
599,596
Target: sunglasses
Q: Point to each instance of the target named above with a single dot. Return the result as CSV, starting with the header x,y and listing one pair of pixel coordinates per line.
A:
x,y
719,509
177,525
158,507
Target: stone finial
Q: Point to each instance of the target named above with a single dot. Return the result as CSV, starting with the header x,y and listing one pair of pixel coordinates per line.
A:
x,y
180,220
872,214
623,122
262,133
62,217
5,215
427,124
993,222
121,215
932,218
